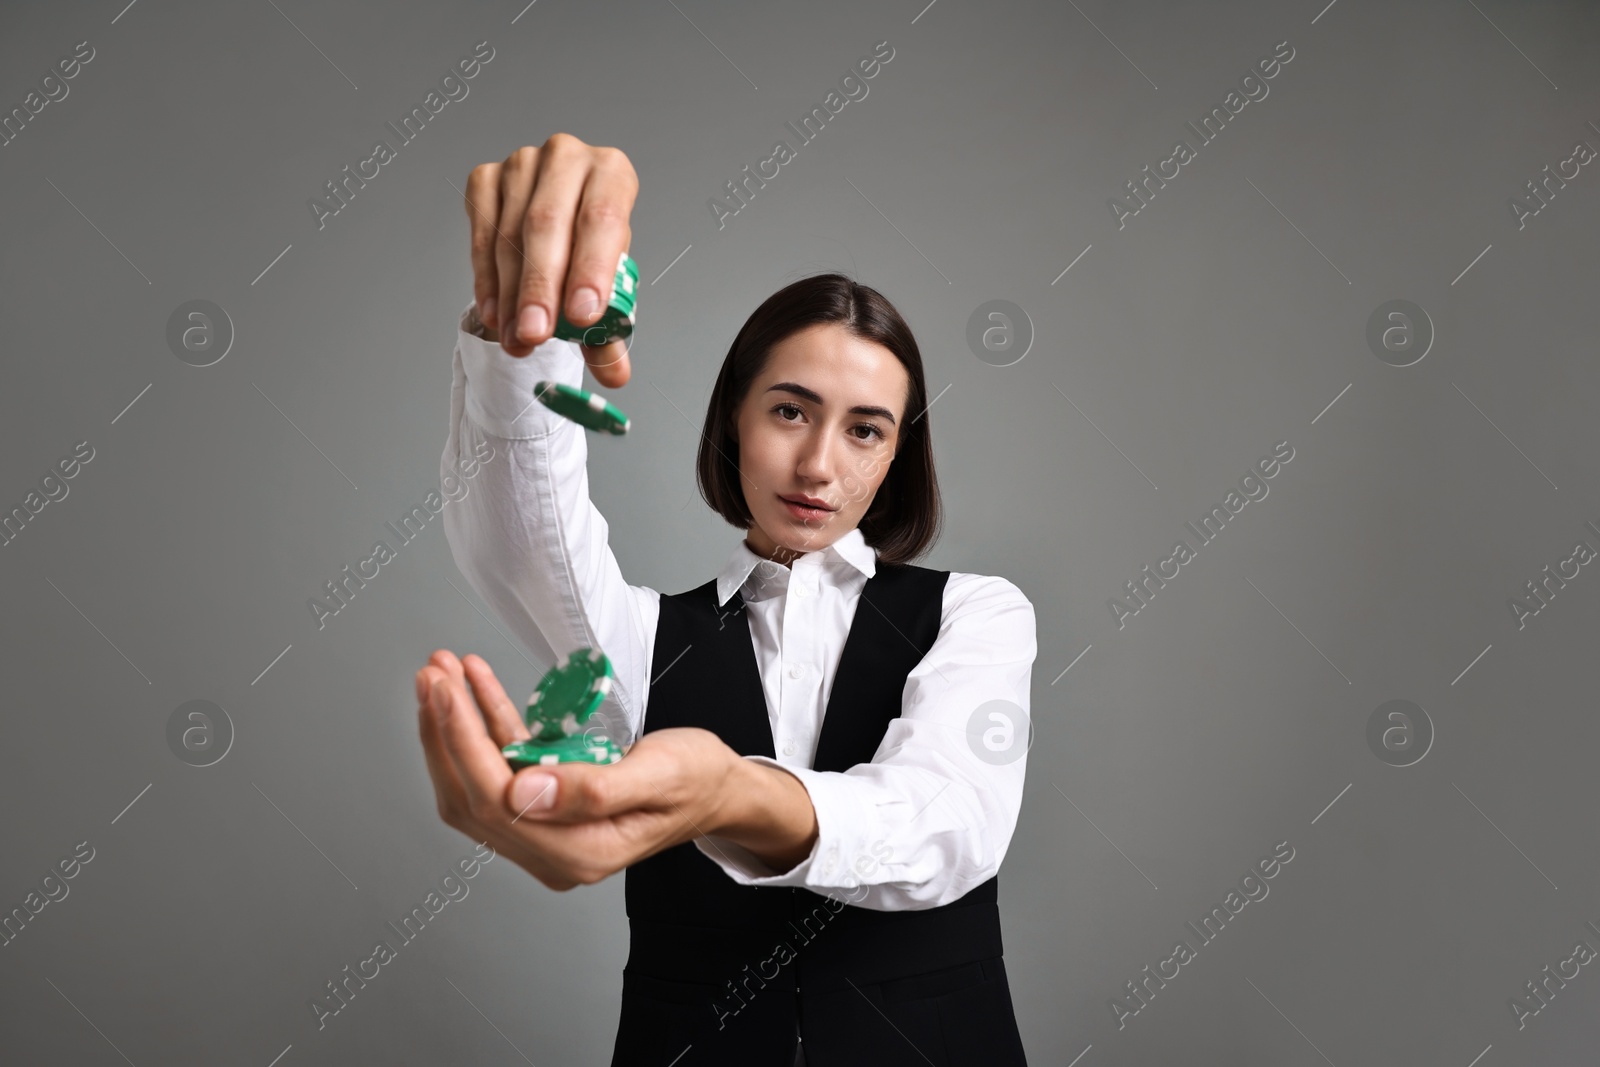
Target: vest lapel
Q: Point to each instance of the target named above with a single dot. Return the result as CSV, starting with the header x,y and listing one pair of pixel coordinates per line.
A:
x,y
877,656
706,673
867,685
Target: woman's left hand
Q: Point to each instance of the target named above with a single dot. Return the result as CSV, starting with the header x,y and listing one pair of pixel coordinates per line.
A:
x,y
571,823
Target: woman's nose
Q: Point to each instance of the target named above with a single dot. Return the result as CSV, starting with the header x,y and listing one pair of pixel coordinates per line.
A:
x,y
816,461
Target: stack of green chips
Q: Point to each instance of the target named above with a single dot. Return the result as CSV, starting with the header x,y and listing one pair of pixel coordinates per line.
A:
x,y
617,322
590,410
560,705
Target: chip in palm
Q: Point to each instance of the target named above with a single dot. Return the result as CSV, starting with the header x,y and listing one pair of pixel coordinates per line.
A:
x,y
558,709
579,748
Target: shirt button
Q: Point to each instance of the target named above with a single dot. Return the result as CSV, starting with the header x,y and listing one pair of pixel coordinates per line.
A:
x,y
796,670
789,747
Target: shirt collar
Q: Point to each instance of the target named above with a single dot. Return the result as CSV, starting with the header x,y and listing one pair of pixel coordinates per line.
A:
x,y
852,548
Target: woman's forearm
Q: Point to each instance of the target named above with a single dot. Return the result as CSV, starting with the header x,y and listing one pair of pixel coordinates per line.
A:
x,y
527,536
768,812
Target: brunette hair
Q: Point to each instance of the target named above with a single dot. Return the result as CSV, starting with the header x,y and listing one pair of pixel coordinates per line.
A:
x,y
904,518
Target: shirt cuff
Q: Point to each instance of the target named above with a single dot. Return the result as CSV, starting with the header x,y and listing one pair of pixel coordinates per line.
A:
x,y
838,831
499,394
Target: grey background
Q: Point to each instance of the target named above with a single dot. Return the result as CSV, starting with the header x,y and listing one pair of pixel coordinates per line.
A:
x,y
1226,317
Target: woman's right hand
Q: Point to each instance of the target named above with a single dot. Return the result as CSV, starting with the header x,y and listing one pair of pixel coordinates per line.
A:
x,y
548,226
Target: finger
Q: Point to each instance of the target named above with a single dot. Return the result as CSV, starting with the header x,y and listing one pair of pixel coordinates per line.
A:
x,y
505,725
609,363
483,209
446,661
447,790
454,802
546,226
517,176
583,791
481,769
600,234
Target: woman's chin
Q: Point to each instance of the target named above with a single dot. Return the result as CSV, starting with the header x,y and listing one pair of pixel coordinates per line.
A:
x,y
802,540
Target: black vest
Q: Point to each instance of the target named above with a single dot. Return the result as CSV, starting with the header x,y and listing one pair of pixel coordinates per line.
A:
x,y
726,973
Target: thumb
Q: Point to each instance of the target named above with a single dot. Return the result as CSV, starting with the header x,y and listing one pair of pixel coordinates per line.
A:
x,y
580,792
534,793
608,363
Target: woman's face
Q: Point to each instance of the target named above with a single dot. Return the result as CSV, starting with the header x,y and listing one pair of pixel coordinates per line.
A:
x,y
822,420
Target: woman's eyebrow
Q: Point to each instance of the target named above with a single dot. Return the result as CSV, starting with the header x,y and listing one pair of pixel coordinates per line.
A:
x,y
812,395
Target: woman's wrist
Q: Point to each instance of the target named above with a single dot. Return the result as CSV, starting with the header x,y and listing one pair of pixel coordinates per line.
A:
x,y
768,812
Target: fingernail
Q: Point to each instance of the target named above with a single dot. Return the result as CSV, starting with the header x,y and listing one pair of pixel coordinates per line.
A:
x,y
441,702
585,302
534,792
490,306
533,322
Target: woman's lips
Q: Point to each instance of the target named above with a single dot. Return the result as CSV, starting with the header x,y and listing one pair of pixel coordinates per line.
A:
x,y
801,511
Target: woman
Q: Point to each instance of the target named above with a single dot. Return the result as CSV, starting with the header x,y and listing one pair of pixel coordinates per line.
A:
x,y
812,814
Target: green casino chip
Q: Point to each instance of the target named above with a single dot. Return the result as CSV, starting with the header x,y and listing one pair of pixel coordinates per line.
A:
x,y
568,694
617,321
579,748
561,703
587,409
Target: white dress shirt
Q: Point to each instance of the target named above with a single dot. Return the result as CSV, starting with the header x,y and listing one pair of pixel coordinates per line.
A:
x,y
921,824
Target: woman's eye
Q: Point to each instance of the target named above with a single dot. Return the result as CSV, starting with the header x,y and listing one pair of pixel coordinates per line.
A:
x,y
782,410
